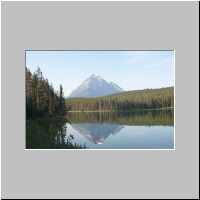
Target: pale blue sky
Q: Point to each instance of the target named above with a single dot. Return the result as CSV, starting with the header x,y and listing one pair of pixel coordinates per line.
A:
x,y
131,70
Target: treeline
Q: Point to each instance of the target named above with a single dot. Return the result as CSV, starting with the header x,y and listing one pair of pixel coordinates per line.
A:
x,y
41,98
125,101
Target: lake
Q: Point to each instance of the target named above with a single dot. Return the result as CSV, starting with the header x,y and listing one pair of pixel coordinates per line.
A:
x,y
153,129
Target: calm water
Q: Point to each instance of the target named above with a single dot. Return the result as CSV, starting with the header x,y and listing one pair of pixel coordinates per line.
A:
x,y
138,130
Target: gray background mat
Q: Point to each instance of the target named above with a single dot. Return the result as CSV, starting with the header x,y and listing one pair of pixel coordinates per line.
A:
x,y
100,174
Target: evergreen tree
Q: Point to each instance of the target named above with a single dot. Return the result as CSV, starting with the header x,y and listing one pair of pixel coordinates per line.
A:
x,y
41,98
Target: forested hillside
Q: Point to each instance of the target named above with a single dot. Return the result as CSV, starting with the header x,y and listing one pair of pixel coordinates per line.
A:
x,y
125,101
41,98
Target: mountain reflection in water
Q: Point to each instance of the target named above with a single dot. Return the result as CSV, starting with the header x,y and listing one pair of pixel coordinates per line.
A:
x,y
147,129
96,132
105,130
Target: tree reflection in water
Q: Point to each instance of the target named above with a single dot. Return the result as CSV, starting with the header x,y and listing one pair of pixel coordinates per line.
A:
x,y
49,133
96,127
52,133
145,117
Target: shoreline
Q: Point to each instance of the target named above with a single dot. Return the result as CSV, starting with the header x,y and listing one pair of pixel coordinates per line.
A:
x,y
101,111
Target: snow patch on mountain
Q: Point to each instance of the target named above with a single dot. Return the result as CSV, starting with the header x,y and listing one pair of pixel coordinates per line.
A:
x,y
95,86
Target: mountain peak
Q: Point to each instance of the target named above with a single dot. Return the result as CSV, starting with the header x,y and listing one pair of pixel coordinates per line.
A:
x,y
92,76
95,76
95,86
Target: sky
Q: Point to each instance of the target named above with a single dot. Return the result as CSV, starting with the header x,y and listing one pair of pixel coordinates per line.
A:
x,y
131,70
